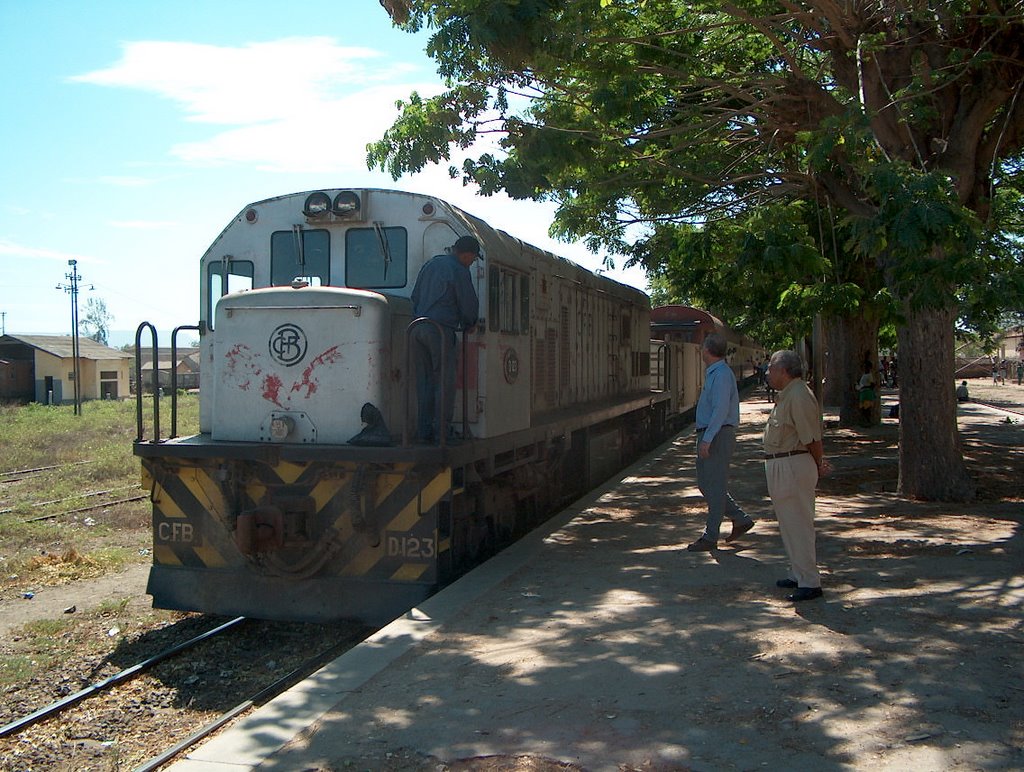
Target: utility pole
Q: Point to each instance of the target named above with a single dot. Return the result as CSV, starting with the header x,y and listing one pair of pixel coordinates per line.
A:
x,y
3,322
72,289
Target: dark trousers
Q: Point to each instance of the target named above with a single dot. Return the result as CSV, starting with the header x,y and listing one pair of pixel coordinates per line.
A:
x,y
431,383
713,481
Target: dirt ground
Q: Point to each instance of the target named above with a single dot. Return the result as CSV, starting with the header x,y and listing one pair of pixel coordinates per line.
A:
x,y
913,661
51,602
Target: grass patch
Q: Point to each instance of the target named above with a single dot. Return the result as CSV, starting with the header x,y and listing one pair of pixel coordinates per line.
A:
x,y
83,463
44,435
47,628
112,607
15,668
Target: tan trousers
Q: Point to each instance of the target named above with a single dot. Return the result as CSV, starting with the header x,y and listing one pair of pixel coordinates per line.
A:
x,y
791,483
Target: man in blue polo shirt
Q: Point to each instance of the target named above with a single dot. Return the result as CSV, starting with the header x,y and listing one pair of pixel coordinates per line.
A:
x,y
718,415
444,292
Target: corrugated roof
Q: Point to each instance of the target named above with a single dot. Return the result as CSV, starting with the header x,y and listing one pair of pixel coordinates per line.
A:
x,y
192,362
63,346
189,354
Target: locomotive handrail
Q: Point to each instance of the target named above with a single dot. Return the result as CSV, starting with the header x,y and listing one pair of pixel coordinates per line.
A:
x,y
664,362
357,309
174,375
138,383
412,382
465,386
439,411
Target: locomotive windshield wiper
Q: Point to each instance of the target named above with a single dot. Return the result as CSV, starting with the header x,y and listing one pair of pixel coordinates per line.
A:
x,y
384,251
299,248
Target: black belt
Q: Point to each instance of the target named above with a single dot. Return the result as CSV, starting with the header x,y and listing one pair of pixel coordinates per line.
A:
x,y
783,455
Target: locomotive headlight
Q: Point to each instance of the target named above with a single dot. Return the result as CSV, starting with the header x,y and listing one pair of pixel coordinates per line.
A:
x,y
317,205
346,203
281,427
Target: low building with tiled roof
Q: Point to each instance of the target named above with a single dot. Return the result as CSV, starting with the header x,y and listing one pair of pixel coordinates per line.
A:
x,y
40,368
182,361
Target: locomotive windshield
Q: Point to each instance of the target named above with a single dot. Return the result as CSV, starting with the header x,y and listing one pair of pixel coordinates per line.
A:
x,y
300,254
376,258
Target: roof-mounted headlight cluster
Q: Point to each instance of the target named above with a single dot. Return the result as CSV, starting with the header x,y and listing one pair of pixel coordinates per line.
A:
x,y
346,205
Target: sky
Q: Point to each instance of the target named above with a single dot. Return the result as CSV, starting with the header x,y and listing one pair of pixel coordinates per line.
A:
x,y
133,132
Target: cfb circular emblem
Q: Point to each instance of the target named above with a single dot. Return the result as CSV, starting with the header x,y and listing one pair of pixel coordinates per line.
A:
x,y
287,344
511,365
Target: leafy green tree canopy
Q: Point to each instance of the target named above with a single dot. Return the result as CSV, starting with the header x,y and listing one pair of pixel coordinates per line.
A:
x,y
906,116
905,119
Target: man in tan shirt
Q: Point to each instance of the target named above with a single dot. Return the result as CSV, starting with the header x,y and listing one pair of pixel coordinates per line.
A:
x,y
794,460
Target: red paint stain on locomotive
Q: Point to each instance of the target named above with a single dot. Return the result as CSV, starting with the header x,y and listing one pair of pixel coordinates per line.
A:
x,y
236,355
240,363
328,357
272,389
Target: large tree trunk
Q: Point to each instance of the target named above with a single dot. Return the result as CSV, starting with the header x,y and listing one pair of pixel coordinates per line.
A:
x,y
931,461
849,342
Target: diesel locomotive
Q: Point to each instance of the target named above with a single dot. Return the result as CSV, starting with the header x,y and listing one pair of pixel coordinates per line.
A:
x,y
303,496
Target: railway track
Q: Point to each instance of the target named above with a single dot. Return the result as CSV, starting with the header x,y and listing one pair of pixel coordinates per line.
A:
x,y
259,698
57,707
148,713
15,475
103,498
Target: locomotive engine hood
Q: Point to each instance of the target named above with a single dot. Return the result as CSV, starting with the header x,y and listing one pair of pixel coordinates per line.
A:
x,y
296,365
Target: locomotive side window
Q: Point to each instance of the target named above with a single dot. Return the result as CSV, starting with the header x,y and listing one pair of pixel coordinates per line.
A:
x,y
508,300
376,258
224,276
524,304
308,258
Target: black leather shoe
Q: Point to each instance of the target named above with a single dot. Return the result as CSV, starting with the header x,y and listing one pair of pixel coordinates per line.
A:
x,y
805,593
738,529
701,545
789,584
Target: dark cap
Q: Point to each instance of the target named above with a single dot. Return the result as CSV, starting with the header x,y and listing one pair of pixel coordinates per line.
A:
x,y
466,244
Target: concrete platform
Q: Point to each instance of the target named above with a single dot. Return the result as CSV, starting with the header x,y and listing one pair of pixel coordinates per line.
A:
x,y
600,642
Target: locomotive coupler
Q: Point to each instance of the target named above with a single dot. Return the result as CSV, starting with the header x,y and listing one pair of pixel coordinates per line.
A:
x,y
259,530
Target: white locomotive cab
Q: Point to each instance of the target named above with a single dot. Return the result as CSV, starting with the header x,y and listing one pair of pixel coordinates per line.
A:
x,y
297,365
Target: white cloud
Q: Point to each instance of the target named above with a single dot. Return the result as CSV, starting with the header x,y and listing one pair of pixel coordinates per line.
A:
x,y
295,104
253,83
307,105
327,136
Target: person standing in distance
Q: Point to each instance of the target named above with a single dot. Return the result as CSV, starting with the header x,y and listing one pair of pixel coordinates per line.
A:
x,y
718,414
794,460
444,293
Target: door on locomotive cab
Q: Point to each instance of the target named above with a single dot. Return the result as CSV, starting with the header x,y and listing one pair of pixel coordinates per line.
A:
x,y
506,374
438,238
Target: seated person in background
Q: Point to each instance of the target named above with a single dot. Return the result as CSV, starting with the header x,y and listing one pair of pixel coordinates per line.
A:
x,y
961,392
866,395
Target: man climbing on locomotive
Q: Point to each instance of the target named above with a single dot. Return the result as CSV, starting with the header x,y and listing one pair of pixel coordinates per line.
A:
x,y
443,293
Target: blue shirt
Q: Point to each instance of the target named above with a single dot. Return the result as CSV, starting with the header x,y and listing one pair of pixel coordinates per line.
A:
x,y
444,292
719,402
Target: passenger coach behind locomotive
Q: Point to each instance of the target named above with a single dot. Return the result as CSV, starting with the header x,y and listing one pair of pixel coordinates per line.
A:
x,y
686,324
279,509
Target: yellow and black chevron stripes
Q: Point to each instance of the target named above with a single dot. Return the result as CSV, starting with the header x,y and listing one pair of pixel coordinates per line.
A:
x,y
382,520
185,533
408,549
